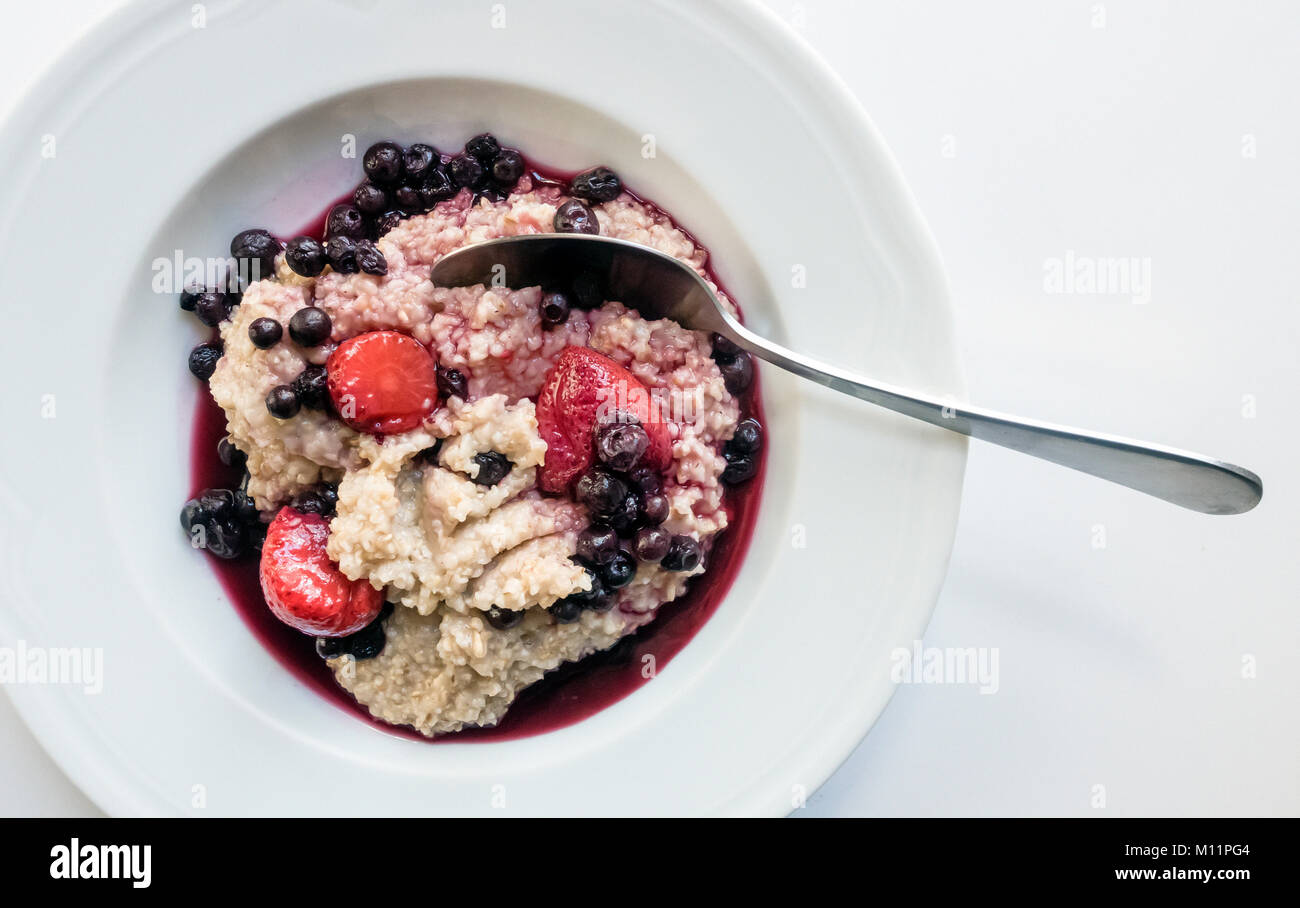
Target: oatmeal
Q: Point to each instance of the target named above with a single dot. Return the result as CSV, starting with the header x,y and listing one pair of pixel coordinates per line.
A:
x,y
431,535
440,492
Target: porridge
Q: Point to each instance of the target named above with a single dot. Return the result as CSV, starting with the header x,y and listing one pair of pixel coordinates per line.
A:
x,y
456,491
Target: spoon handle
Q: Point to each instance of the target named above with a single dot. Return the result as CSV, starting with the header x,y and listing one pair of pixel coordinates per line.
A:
x,y
1181,477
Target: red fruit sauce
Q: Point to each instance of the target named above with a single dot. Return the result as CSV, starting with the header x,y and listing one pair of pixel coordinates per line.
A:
x,y
565,696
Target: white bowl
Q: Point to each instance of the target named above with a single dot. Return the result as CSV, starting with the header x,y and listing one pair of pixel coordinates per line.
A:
x,y
168,136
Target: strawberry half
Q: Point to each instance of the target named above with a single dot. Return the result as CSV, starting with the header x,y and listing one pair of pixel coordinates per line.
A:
x,y
382,382
584,389
304,588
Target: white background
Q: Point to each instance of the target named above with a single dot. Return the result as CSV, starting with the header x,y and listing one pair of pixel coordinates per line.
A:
x,y
1146,655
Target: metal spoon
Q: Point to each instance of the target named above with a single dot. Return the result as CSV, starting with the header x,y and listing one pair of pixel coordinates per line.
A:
x,y
659,286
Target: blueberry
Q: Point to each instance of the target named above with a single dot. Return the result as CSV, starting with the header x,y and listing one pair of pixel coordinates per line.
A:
x,y
596,598
312,387
724,348
419,160
597,543
306,256
748,437
387,221
367,642
600,184
229,455
217,503
330,492
265,333
369,198
737,372
620,445
437,187
465,171
508,167
588,291
566,610
313,501
407,198
603,604
222,530
646,480
492,195
492,468
382,162
203,359
256,535
684,554
575,217
618,571
503,618
191,513
342,254
627,516
345,220
309,327
224,537
327,647
601,492
430,454
370,259
739,467
190,295
254,251
452,383
245,509
212,308
554,309
282,402
654,509
651,544
484,147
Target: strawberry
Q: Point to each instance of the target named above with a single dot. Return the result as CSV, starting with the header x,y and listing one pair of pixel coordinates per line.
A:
x,y
304,588
382,382
582,390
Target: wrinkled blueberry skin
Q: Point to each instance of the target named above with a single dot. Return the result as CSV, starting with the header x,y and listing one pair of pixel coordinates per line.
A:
x,y
383,162
222,521
483,147
492,468
600,184
254,251
203,360
465,171
602,492
575,217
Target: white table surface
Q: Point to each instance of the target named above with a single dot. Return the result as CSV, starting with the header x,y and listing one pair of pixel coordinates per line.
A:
x,y
1157,131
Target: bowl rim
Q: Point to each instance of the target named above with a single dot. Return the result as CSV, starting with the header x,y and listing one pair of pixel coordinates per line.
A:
x,y
102,780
